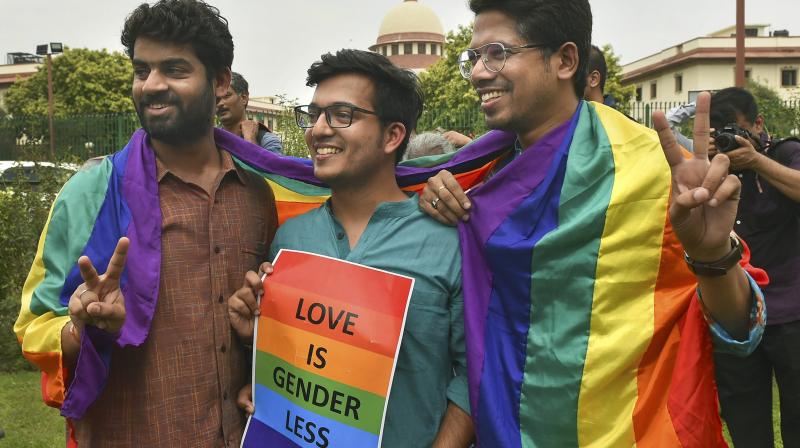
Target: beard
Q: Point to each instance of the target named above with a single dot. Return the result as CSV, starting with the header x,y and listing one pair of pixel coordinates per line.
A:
x,y
190,121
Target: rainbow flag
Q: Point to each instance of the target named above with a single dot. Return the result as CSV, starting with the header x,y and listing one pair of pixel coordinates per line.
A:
x,y
119,197
582,323
325,352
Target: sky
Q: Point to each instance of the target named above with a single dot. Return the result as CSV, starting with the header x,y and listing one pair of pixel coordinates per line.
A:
x,y
276,40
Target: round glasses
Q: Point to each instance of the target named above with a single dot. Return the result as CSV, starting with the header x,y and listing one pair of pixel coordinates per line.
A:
x,y
492,54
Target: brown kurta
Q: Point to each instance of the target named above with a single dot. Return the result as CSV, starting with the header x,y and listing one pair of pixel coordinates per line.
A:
x,y
179,388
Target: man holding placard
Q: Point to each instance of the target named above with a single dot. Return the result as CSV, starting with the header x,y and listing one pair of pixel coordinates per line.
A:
x,y
357,128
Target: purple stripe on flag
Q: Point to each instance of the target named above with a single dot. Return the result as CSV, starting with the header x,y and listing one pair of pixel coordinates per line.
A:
x,y
140,192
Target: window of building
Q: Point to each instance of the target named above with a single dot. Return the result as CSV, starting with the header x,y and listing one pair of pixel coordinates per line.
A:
x,y
789,77
678,83
408,48
395,49
751,32
383,50
638,93
435,49
421,48
653,90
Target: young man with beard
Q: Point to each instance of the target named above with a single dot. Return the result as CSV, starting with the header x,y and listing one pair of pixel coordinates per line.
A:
x,y
145,351
586,322
231,109
357,128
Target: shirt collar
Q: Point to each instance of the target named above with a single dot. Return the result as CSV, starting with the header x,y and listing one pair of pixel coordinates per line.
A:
x,y
227,165
393,209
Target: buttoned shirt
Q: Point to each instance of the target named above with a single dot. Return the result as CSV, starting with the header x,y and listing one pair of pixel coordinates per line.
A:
x,y
179,388
431,367
770,223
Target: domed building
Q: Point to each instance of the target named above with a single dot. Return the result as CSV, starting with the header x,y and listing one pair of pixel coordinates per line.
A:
x,y
411,36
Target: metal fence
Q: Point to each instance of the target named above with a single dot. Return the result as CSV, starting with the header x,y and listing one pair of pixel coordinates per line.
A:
x,y
83,137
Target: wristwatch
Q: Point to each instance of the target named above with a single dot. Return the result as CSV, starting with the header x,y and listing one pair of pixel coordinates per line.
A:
x,y
720,267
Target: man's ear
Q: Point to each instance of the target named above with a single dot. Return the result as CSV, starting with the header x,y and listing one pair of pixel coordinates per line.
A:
x,y
594,79
567,62
245,96
221,82
393,136
758,125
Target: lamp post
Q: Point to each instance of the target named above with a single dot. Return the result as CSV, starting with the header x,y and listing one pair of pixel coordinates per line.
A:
x,y
55,47
740,35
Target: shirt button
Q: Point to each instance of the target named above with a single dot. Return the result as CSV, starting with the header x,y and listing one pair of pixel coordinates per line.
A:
x,y
738,222
216,249
340,235
741,176
225,395
220,298
222,348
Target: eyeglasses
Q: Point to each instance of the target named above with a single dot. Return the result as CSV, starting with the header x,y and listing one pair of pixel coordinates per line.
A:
x,y
492,54
337,115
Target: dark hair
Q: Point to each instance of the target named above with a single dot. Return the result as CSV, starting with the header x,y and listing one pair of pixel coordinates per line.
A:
x,y
239,84
398,94
183,22
551,23
727,103
597,61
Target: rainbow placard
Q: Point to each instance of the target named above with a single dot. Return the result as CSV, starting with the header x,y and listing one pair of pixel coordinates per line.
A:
x,y
326,347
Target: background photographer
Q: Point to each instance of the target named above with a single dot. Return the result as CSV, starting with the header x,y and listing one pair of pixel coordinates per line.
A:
x,y
769,220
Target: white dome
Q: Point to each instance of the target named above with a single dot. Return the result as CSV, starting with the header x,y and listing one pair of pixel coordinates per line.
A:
x,y
411,17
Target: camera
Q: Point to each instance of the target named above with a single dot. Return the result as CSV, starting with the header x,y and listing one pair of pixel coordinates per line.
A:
x,y
725,138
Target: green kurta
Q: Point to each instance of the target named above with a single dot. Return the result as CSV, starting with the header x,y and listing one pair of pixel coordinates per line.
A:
x,y
431,368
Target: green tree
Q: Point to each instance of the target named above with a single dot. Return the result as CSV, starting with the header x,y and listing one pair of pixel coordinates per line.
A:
x,y
622,94
85,82
293,137
780,118
450,100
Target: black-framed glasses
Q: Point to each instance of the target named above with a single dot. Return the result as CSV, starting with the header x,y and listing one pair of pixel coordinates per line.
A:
x,y
337,115
493,55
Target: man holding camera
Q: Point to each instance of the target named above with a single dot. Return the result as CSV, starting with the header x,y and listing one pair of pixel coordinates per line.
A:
x,y
769,220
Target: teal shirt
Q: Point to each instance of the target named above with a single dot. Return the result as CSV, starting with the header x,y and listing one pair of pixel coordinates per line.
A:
x,y
431,368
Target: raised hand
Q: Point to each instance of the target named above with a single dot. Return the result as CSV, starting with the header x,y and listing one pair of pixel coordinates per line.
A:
x,y
98,300
243,304
704,196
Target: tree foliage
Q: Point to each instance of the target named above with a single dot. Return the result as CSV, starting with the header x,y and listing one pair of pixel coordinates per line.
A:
x,y
622,94
781,118
85,82
450,100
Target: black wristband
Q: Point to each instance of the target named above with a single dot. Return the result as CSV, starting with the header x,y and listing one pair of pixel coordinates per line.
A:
x,y
720,267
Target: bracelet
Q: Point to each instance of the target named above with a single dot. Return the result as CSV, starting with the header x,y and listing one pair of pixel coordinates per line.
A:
x,y
72,333
719,267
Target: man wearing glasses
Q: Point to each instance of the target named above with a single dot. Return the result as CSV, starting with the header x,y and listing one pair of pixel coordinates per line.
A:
x,y
357,128
586,322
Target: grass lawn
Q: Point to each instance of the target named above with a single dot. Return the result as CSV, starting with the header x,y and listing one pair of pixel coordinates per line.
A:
x,y
28,423
26,420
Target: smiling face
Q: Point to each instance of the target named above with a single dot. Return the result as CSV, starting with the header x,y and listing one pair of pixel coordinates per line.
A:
x,y
172,94
351,155
519,95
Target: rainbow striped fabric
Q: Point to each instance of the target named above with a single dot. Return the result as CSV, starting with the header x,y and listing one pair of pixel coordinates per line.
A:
x,y
337,393
119,197
581,318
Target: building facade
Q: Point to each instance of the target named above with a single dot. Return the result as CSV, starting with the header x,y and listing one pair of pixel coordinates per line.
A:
x,y
679,73
411,36
9,74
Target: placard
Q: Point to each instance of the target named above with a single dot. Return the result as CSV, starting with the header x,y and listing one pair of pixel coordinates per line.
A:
x,y
326,345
